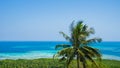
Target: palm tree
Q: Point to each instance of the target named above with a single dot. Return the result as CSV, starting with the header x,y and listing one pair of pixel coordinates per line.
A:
x,y
79,47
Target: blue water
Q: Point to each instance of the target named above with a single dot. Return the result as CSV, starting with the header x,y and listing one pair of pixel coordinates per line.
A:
x,y
34,50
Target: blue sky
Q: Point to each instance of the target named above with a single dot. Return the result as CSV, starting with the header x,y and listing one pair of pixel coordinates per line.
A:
x,y
41,20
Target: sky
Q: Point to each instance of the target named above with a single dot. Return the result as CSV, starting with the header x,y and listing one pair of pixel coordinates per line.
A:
x,y
42,20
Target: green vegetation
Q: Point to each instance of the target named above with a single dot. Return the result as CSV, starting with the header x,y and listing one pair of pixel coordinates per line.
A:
x,y
79,48
50,63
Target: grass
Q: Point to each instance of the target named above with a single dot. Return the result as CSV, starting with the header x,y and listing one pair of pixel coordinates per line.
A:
x,y
50,63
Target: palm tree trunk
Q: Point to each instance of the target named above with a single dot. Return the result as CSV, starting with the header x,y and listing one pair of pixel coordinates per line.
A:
x,y
78,62
84,65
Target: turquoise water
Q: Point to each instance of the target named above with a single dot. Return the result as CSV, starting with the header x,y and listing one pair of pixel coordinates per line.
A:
x,y
46,49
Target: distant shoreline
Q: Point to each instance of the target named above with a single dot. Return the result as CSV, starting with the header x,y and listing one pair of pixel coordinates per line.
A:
x,y
103,58
46,49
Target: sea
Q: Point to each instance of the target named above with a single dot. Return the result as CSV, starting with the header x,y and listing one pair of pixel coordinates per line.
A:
x,y
46,49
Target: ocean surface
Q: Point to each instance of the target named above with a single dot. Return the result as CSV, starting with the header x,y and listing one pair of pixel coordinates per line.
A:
x,y
46,49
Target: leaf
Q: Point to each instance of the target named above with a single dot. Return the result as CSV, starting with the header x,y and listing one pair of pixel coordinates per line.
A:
x,y
94,40
62,46
66,36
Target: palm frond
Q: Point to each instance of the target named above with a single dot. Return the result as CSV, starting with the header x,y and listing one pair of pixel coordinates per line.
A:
x,y
95,51
87,51
66,36
65,52
91,30
80,53
79,24
71,57
94,40
62,58
72,26
91,60
62,46
85,27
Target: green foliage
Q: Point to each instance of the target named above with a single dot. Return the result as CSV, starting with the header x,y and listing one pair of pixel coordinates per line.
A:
x,y
79,48
50,63
36,63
